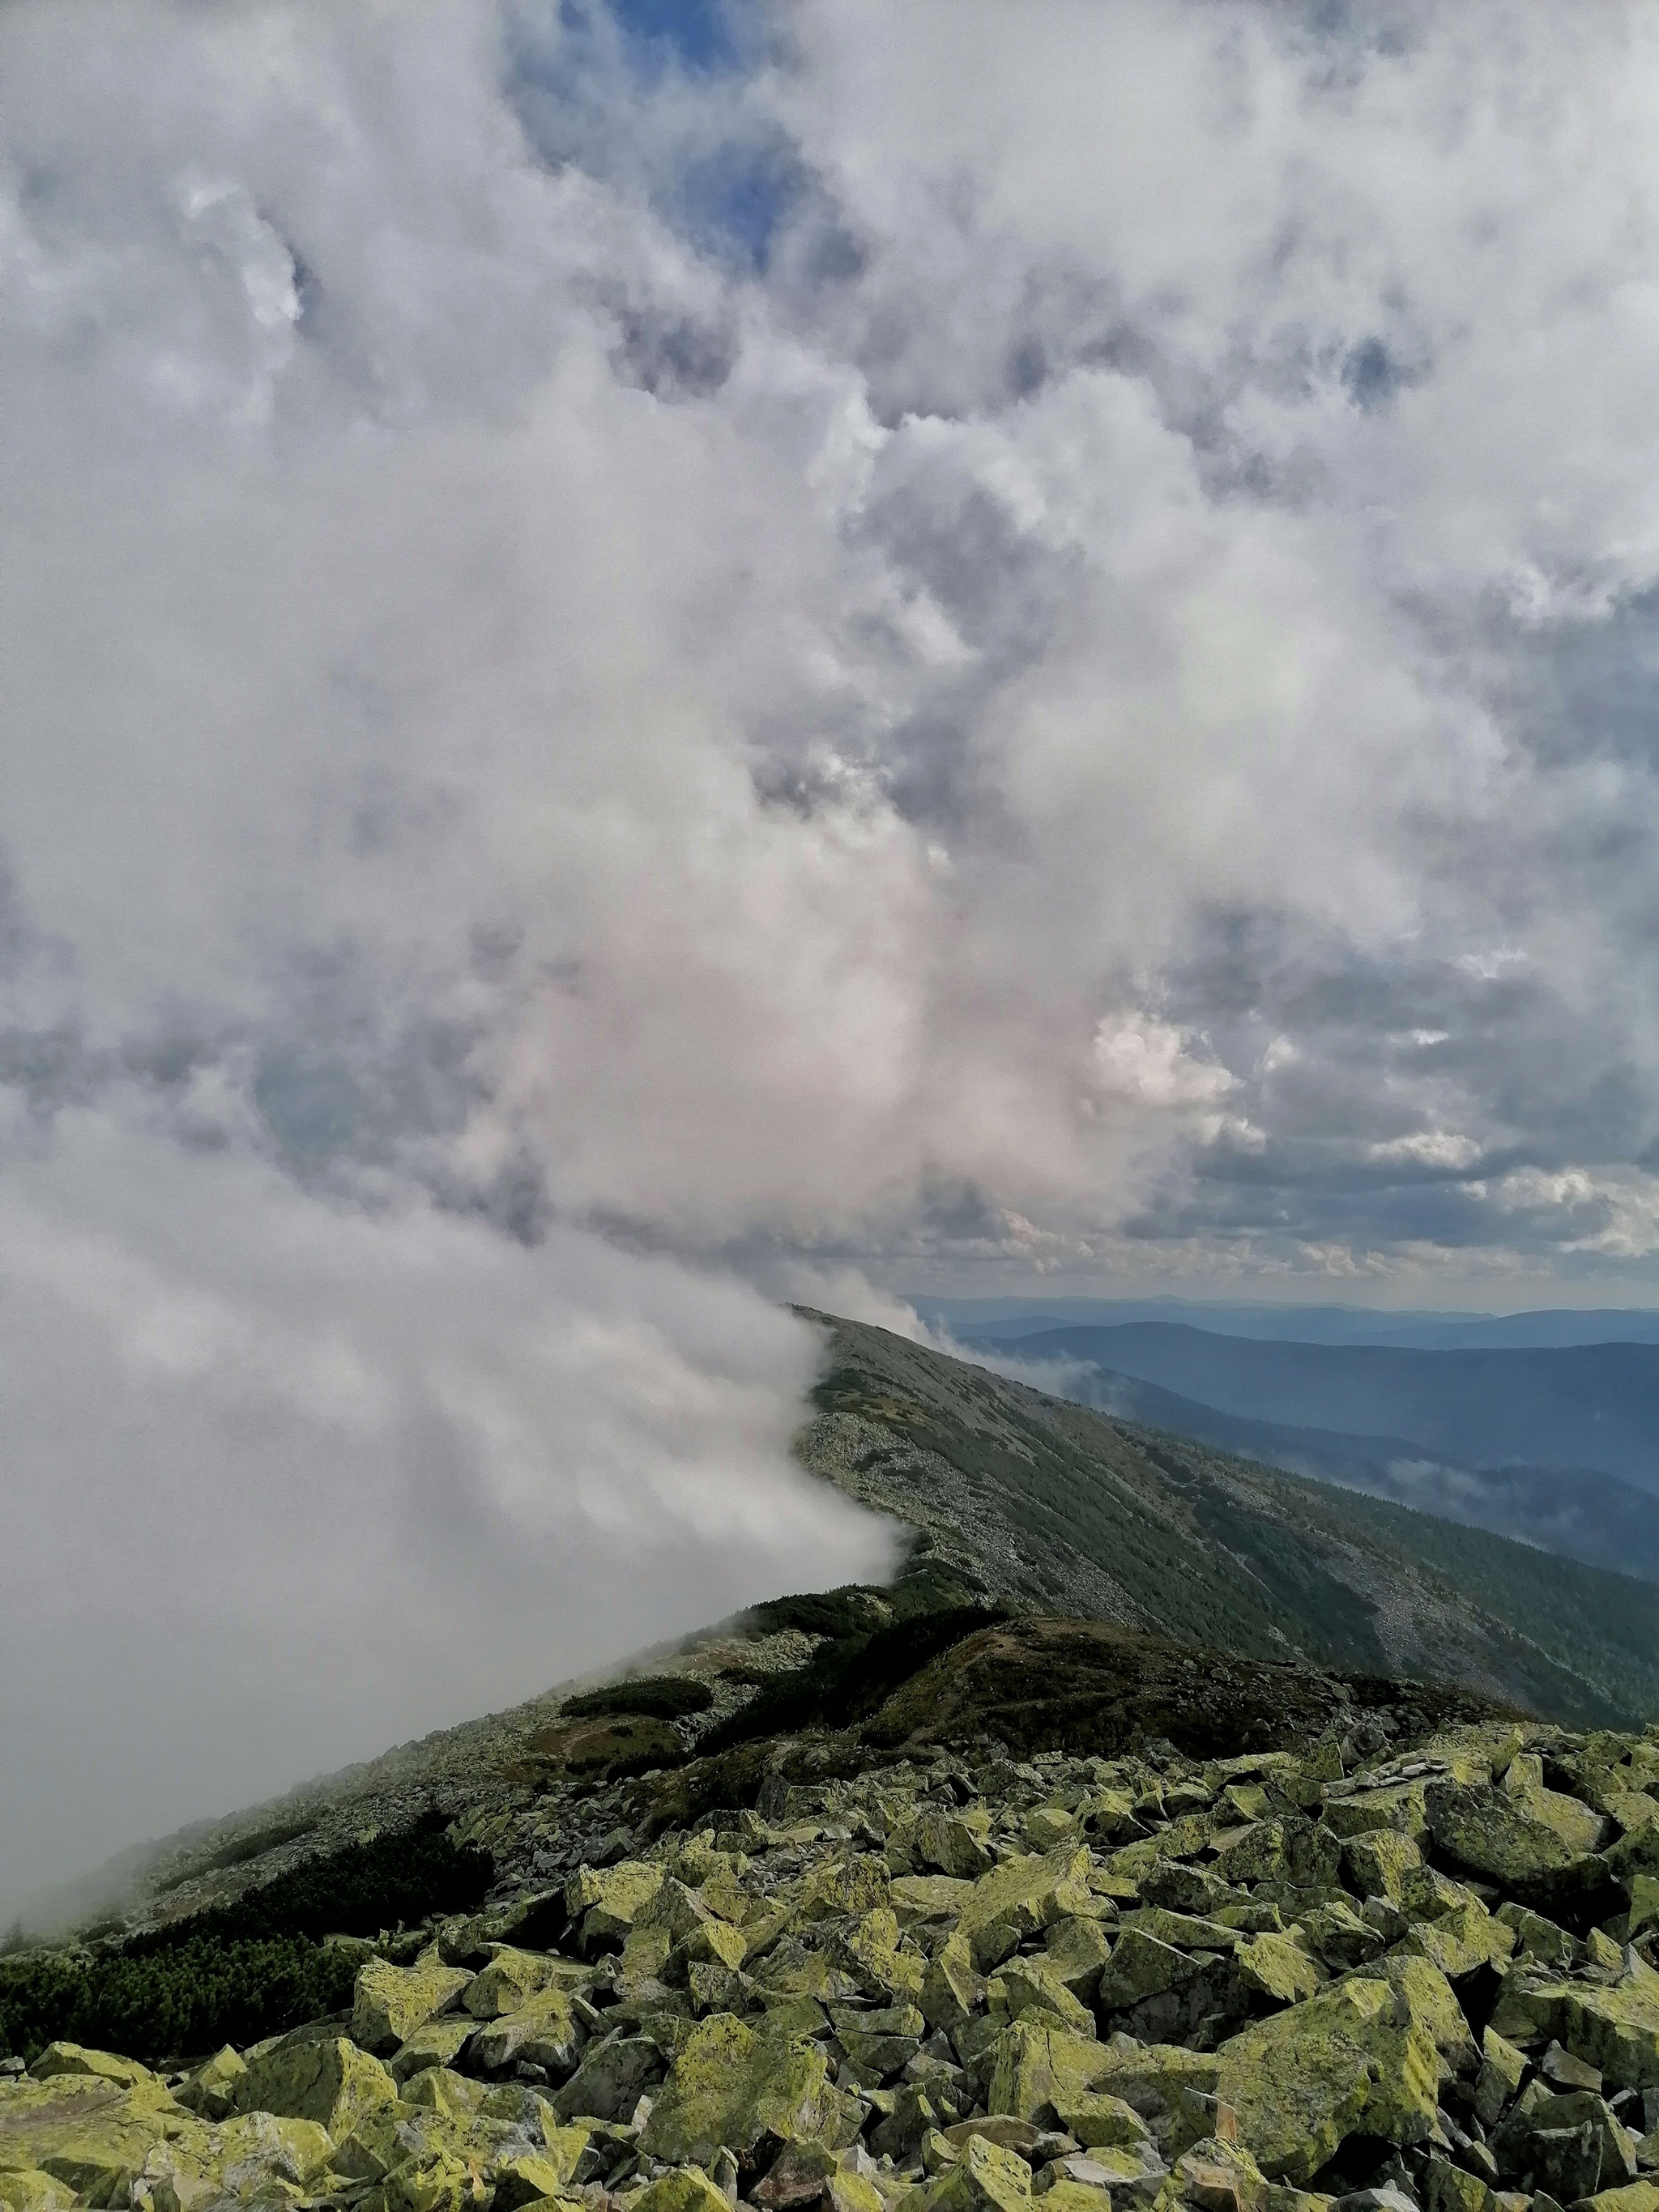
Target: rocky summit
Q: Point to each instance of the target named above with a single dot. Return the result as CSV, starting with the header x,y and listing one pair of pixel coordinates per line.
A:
x,y
951,1979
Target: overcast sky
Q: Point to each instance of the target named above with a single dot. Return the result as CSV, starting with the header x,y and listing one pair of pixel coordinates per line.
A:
x,y
658,656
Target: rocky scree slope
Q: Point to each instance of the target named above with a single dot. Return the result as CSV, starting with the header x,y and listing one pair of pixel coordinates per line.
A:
x,y
959,1981
1039,1502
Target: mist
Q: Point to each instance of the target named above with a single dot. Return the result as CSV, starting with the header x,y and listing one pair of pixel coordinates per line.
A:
x,y
652,672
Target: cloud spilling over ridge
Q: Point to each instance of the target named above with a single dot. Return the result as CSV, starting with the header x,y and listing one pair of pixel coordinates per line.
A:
x,y
290,1481
642,676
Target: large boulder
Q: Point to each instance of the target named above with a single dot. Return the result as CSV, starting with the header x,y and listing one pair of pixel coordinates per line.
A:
x,y
254,2159
684,2190
1037,2067
511,1978
729,2086
211,2090
74,2058
1614,2029
1354,2060
90,2134
436,2043
984,2178
1028,1894
1031,1985
614,2073
544,2032
389,2002
1493,1835
608,1900
28,2189
1580,1827
329,2081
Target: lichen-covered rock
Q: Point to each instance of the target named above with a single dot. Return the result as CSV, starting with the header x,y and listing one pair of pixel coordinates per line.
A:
x,y
544,2033
211,2091
685,2191
91,2134
956,1846
951,1992
1342,2064
1614,2029
389,2002
1397,1804
73,2058
1028,1986
438,2043
1038,2066
1219,2175
29,2189
1633,2196
1277,1967
983,2179
330,2082
393,2138
254,2159
1101,2121
1290,1848
729,2086
614,2073
1493,1835
1580,1827
507,1983
1461,1941
1142,1967
607,1901
1376,1862
1502,2069
1430,1999
1028,1894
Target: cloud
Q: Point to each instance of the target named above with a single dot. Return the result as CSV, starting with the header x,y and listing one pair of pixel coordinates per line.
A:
x,y
869,646
289,1482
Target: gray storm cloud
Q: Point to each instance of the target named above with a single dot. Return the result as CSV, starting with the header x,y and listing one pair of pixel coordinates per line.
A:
x,y
646,673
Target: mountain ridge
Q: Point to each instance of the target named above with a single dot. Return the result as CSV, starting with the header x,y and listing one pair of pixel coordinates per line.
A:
x,y
1022,1500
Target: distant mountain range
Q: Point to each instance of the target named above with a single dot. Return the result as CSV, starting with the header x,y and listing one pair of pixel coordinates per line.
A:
x,y
1557,1446
1594,1407
983,1320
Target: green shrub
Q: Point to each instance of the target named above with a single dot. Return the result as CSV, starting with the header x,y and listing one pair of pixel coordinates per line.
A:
x,y
238,1971
653,1696
244,1849
850,1610
167,2004
845,1682
394,1880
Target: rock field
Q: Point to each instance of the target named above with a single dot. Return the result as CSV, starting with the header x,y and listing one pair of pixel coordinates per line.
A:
x,y
960,1982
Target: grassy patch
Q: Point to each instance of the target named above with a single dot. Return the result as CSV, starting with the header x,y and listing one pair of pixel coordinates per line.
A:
x,y
606,1749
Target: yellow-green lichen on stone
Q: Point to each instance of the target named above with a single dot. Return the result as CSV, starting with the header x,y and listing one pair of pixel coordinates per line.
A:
x,y
1344,2062
729,2086
330,2082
